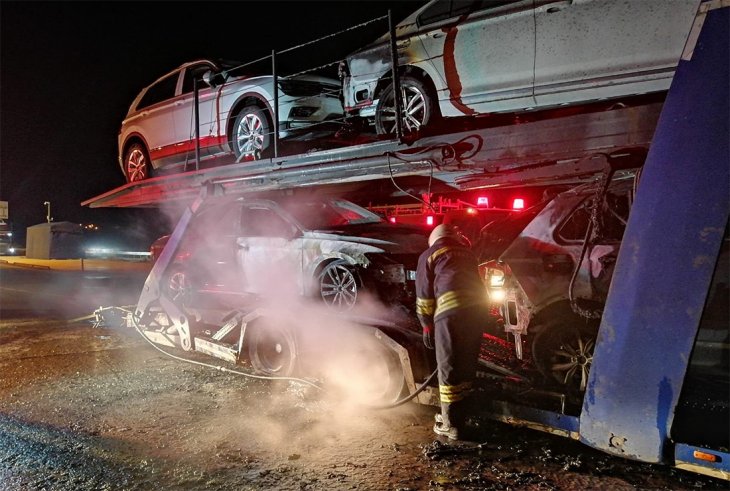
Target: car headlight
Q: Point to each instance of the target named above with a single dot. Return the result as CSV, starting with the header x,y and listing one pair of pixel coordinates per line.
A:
x,y
497,295
302,112
496,278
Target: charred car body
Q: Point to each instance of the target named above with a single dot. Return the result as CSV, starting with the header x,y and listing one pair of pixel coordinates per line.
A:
x,y
548,269
461,58
330,249
236,116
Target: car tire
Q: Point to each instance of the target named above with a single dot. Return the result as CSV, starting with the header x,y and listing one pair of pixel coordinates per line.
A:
x,y
272,349
369,373
338,286
562,351
177,285
251,132
418,107
137,165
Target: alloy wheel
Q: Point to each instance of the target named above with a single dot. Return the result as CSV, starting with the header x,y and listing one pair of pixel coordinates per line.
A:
x,y
338,287
250,134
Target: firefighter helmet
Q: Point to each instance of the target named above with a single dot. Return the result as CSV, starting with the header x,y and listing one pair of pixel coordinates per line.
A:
x,y
447,230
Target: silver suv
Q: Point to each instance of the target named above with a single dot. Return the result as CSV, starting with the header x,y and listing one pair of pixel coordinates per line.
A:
x,y
236,117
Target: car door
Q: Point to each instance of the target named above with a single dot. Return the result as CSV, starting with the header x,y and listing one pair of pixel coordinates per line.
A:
x,y
483,50
184,114
153,118
269,252
591,49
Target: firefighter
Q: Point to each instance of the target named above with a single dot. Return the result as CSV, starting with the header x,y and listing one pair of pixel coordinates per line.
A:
x,y
451,307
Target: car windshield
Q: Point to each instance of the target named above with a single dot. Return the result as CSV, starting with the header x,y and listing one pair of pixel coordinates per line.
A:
x,y
497,235
323,215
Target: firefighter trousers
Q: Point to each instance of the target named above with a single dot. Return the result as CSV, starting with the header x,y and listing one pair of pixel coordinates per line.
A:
x,y
457,338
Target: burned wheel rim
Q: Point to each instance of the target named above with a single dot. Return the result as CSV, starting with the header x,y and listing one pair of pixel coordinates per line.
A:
x,y
338,286
272,350
565,355
179,287
136,164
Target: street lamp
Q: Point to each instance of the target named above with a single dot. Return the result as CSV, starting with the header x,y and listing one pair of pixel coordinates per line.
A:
x,y
48,211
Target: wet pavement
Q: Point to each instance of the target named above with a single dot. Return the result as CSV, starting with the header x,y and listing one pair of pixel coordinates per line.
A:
x,y
85,408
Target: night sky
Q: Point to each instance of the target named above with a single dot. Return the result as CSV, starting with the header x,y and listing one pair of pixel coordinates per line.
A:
x,y
70,70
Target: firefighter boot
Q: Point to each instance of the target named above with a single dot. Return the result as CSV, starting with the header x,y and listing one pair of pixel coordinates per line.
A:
x,y
443,425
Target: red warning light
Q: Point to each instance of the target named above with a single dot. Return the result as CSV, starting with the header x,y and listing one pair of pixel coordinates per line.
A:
x,y
482,201
429,220
518,204
391,219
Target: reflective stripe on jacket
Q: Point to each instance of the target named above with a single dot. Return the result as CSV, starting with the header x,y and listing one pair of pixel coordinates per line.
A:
x,y
447,280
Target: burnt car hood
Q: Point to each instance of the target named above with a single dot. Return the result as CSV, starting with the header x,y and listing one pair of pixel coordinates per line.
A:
x,y
388,238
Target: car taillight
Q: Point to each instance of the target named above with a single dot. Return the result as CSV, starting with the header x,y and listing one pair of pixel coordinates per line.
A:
x,y
392,219
429,220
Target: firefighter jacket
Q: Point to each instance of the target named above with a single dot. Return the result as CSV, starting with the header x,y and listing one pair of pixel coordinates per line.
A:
x,y
447,280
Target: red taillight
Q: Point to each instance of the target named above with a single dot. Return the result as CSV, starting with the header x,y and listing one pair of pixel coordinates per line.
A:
x,y
482,201
518,204
429,220
391,219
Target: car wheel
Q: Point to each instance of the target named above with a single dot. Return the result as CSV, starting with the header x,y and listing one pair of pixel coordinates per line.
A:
x,y
178,286
251,132
366,372
385,379
338,286
418,107
563,351
272,350
137,165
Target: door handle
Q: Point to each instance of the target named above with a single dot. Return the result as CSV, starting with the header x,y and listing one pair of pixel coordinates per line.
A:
x,y
554,7
436,35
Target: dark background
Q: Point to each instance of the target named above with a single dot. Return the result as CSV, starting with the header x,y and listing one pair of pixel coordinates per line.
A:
x,y
69,71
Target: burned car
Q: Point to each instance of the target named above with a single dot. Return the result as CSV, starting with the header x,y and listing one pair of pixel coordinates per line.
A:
x,y
324,248
461,58
236,116
548,269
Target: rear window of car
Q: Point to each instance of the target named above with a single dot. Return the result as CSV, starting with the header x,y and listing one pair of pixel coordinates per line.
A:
x,y
159,92
323,215
496,236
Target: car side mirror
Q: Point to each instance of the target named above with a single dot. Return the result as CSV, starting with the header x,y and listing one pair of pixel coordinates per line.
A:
x,y
214,79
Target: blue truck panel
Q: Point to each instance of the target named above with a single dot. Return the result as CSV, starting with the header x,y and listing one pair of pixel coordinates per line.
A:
x,y
666,261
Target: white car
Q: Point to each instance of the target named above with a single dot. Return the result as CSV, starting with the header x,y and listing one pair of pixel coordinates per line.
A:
x,y
461,58
236,117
